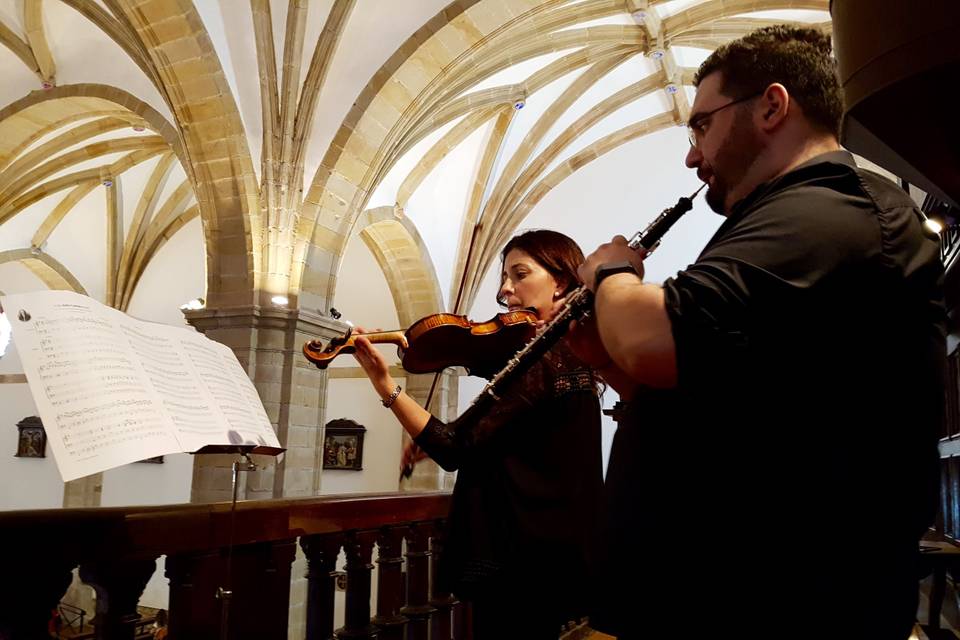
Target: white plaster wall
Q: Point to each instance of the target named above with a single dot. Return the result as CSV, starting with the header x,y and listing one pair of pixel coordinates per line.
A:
x,y
355,399
25,483
156,594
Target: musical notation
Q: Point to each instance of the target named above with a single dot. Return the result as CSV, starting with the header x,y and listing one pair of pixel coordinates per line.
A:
x,y
112,390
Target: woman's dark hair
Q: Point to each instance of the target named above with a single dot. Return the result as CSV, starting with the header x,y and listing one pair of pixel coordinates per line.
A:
x,y
162,618
553,251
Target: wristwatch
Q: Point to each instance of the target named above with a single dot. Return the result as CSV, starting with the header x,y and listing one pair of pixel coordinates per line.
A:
x,y
608,269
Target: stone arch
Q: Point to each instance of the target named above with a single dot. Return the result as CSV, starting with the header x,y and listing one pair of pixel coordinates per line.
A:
x,y
320,238
219,164
402,255
18,121
48,269
425,69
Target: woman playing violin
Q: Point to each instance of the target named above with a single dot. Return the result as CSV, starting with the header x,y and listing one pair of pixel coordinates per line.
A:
x,y
526,500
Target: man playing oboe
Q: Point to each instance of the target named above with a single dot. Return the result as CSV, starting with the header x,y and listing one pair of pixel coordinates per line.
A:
x,y
783,444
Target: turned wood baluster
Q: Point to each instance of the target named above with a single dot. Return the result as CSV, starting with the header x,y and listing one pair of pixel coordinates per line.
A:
x,y
443,601
260,607
321,551
118,583
390,584
418,608
260,582
192,612
31,586
358,548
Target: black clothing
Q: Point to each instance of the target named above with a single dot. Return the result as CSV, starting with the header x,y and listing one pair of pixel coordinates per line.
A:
x,y
790,474
526,503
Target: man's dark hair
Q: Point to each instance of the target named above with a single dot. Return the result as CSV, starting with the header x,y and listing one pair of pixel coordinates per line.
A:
x,y
796,57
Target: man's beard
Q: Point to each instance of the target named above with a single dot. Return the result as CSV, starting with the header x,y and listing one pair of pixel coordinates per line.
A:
x,y
737,153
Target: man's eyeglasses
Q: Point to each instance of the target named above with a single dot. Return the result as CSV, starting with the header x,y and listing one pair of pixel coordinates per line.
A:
x,y
696,123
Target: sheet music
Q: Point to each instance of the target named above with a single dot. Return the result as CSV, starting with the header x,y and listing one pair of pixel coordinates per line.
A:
x,y
113,390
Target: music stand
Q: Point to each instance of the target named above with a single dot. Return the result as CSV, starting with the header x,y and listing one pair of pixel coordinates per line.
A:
x,y
242,463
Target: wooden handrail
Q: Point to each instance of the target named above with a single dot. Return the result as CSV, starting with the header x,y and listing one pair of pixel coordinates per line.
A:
x,y
116,549
155,530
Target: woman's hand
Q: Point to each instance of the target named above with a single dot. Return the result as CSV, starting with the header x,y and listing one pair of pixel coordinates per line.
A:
x,y
584,340
412,454
373,364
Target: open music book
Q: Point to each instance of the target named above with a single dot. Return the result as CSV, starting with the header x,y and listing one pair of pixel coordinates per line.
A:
x,y
112,390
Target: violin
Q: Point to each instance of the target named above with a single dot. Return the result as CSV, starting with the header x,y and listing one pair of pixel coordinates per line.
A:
x,y
442,340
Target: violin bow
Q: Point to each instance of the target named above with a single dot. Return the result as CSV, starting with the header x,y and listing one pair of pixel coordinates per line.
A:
x,y
408,468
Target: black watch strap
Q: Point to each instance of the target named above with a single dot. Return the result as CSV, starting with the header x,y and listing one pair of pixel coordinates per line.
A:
x,y
608,269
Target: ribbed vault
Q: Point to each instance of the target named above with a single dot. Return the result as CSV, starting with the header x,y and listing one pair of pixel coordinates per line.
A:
x,y
427,86
270,228
47,142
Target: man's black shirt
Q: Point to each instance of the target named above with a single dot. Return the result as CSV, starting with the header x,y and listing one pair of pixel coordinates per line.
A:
x,y
810,340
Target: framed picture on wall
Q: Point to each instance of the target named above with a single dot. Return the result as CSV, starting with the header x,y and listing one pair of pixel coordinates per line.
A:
x,y
343,445
32,440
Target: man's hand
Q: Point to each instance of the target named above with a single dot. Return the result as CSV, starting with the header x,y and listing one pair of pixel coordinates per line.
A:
x,y
616,250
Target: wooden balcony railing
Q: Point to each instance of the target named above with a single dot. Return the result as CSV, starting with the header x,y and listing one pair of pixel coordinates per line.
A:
x,y
116,550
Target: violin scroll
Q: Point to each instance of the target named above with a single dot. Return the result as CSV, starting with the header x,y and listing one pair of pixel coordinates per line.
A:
x,y
321,355
442,340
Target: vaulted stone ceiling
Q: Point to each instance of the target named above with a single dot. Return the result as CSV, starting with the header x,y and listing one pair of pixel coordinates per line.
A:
x,y
290,127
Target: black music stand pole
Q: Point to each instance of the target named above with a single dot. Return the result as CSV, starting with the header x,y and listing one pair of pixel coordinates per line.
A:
x,y
242,463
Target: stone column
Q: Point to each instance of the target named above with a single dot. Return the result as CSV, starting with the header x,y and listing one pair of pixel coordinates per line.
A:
x,y
268,342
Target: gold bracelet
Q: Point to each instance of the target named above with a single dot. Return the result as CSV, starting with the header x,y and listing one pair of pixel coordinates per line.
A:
x,y
393,398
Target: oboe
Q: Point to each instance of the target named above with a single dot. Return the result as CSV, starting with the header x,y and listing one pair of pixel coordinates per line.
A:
x,y
579,303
